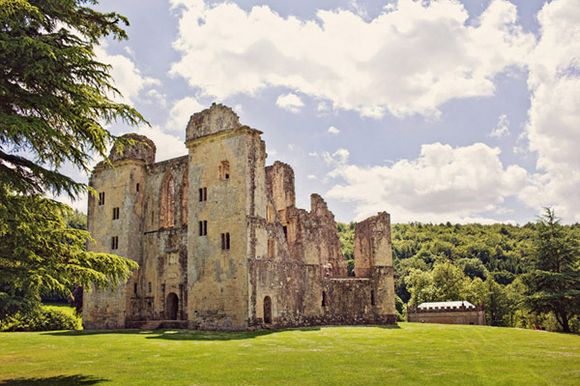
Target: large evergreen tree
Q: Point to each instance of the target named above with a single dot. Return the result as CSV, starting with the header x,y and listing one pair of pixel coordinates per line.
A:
x,y
553,285
55,99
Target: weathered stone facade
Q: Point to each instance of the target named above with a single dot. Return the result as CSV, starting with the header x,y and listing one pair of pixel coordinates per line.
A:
x,y
221,244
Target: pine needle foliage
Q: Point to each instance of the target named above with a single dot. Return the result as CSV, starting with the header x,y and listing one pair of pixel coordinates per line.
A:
x,y
55,96
41,254
553,285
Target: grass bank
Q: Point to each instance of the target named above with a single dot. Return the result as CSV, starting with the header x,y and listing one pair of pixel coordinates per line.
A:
x,y
411,354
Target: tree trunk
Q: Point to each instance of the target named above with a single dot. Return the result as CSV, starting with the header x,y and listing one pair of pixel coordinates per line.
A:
x,y
565,324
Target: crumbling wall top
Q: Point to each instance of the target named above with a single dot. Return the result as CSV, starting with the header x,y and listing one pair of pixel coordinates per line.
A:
x,y
140,148
212,120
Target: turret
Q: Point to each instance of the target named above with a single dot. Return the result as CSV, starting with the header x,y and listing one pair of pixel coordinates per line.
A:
x,y
115,214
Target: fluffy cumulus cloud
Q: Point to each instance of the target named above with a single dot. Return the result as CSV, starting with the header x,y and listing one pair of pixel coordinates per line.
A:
x,y
553,129
290,102
180,113
127,77
443,184
410,59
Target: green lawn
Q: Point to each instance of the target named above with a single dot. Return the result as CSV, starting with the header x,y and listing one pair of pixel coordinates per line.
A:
x,y
412,354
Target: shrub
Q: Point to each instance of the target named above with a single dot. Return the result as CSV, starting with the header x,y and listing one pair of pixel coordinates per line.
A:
x,y
45,319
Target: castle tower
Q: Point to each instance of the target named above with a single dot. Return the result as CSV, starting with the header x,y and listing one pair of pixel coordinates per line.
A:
x,y
226,163
115,223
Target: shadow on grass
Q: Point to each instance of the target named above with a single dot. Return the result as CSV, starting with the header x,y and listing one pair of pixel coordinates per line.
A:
x,y
176,334
59,380
182,334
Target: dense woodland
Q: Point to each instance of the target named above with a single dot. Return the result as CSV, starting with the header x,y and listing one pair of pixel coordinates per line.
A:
x,y
484,264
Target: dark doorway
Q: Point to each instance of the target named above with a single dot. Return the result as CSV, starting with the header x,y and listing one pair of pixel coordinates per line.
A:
x,y
267,310
172,306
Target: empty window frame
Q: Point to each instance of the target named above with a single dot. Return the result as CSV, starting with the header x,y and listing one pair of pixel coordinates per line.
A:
x,y
224,170
203,228
269,213
167,207
101,198
137,187
271,248
225,241
114,242
116,212
202,194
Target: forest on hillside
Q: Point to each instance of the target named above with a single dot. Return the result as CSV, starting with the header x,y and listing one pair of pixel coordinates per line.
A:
x,y
483,264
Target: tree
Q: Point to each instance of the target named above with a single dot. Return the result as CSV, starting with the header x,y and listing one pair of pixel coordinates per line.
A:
x,y
449,282
54,94
41,254
553,285
55,99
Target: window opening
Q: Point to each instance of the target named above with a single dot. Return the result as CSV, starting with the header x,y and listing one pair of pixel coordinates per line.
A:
x,y
115,213
202,194
203,228
324,301
267,310
114,242
271,248
224,170
225,241
101,198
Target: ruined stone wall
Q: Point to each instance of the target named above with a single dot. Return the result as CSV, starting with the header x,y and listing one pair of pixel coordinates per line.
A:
x,y
283,265
118,182
164,267
218,278
373,258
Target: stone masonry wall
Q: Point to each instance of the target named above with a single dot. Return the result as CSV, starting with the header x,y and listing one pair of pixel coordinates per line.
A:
x,y
282,266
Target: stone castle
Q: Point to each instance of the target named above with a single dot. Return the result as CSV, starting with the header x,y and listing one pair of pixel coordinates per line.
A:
x,y
221,244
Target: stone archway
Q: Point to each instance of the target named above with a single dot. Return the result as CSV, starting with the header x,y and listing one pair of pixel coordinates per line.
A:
x,y
267,310
172,306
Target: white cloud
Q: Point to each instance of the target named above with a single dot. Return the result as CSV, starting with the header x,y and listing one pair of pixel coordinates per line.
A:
x,y
180,113
168,145
502,128
554,115
311,177
339,157
443,184
333,130
290,102
127,78
410,59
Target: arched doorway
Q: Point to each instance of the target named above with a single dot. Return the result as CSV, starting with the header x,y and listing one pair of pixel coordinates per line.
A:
x,y
267,310
172,306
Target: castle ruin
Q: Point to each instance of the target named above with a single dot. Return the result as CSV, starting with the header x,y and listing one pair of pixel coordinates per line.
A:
x,y
221,244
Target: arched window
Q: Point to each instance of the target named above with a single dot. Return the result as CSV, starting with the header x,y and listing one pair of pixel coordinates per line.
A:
x,y
167,207
267,310
224,170
184,199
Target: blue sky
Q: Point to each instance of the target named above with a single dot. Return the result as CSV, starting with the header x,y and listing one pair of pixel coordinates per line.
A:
x,y
434,111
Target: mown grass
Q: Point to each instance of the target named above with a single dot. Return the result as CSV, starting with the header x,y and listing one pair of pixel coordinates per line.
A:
x,y
412,354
